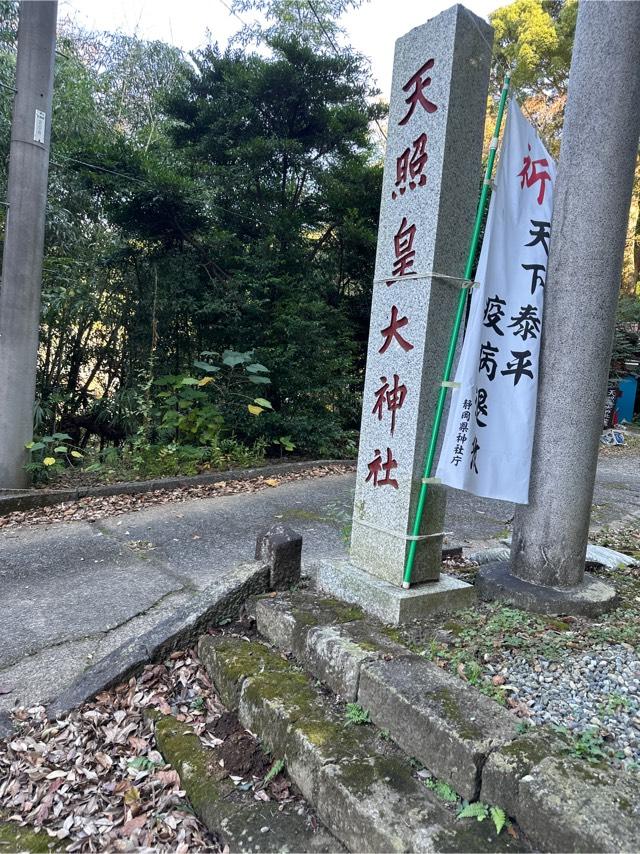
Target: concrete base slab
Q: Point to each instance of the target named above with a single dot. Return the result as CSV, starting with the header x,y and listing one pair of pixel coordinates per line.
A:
x,y
389,603
589,599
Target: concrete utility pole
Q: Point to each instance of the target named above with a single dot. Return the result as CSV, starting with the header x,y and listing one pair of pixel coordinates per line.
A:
x,y
592,196
24,234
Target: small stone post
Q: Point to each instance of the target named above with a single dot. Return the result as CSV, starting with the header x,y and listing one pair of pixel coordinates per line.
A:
x,y
280,548
429,195
592,195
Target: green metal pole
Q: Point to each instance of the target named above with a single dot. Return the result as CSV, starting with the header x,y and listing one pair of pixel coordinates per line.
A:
x,y
484,196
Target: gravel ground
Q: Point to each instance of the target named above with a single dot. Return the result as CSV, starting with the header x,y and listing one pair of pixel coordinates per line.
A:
x,y
597,693
577,674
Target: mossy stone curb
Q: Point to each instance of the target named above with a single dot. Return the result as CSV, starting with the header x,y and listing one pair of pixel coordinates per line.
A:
x,y
241,823
362,787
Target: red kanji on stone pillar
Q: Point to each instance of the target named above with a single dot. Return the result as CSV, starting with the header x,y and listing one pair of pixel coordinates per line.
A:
x,y
391,396
418,83
376,467
391,331
410,167
403,250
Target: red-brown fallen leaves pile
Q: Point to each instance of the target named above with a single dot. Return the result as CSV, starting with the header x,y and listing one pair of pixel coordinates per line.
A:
x,y
96,780
99,507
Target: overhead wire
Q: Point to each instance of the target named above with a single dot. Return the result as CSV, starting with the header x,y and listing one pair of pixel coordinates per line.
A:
x,y
337,53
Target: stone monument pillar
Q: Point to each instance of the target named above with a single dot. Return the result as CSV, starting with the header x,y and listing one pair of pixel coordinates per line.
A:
x,y
429,196
592,195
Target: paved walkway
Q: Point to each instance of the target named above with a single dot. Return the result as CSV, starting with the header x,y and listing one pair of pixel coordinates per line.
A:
x,y
72,592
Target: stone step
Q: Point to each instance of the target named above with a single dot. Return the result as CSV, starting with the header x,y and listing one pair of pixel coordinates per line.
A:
x,y
240,822
361,785
460,735
433,716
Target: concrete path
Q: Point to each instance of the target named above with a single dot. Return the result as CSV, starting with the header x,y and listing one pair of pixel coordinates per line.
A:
x,y
72,592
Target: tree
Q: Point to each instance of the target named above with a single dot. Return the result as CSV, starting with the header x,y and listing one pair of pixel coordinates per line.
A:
x,y
534,39
284,144
313,22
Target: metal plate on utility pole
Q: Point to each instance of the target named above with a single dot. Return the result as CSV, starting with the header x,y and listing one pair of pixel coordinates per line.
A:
x,y
39,126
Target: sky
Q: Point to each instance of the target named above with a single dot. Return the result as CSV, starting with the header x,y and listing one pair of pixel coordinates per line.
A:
x,y
372,29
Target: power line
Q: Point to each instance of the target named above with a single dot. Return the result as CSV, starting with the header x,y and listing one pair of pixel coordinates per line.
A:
x,y
153,186
98,168
337,53
233,12
322,27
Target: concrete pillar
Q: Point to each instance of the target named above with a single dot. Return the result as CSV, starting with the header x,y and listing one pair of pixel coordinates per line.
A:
x,y
591,204
24,235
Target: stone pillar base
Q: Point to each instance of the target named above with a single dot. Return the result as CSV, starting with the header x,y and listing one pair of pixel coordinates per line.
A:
x,y
386,601
589,599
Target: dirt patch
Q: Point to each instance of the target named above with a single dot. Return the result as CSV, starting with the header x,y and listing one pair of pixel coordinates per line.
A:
x,y
242,755
226,725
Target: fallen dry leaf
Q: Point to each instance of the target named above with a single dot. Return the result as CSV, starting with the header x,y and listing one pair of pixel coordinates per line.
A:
x,y
134,824
93,508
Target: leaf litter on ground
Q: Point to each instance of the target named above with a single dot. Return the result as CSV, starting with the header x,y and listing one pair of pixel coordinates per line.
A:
x,y
95,780
93,508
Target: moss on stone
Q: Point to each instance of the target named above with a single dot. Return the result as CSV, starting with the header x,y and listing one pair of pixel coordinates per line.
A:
x,y
244,658
200,774
479,837
393,633
305,515
343,613
291,689
527,751
367,646
361,776
625,806
14,839
451,710
454,627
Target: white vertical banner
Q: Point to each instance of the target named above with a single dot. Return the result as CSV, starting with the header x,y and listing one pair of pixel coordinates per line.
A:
x,y
489,436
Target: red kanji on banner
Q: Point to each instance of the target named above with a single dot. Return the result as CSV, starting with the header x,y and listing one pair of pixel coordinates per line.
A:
x,y
419,83
391,331
530,175
390,396
376,467
410,166
403,250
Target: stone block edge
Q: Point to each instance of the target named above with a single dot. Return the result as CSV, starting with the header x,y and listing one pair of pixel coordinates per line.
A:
x,y
207,609
34,499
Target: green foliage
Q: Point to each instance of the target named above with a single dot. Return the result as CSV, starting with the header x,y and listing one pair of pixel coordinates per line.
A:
x,y
498,817
142,763
314,23
534,39
586,745
626,341
476,810
272,773
206,206
442,790
356,715
49,455
616,703
481,811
